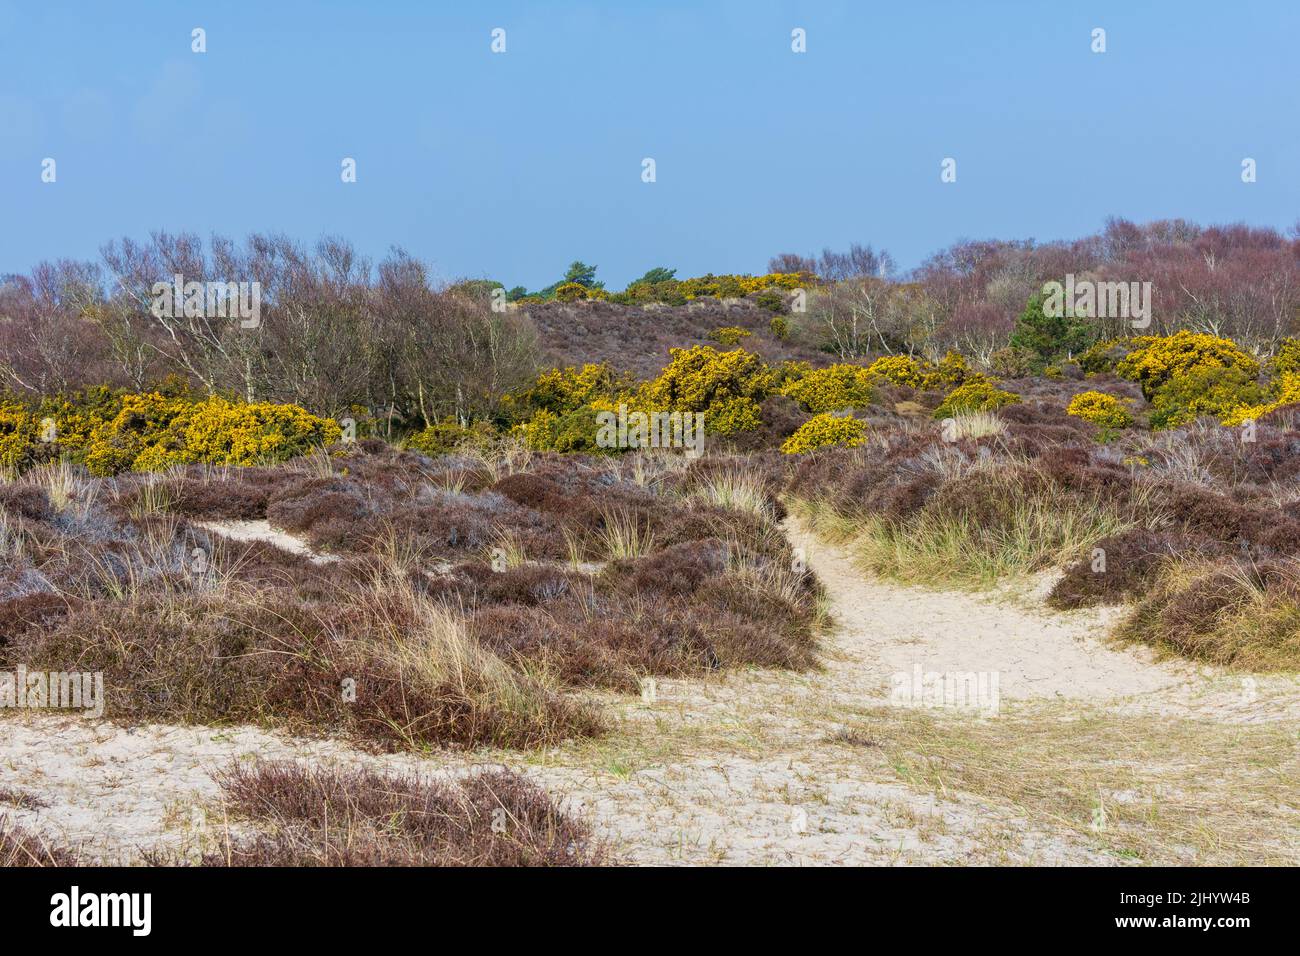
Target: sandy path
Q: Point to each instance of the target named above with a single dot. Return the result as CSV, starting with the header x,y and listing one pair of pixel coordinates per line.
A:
x,y
744,768
889,629
261,530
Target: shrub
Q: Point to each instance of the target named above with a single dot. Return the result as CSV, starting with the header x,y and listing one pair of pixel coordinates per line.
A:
x,y
738,286
1160,359
832,389
825,430
111,432
571,292
733,416
951,371
1207,390
572,431
779,327
443,438
726,386
730,335
1285,390
220,432
979,395
1286,358
1050,336
699,377
1013,362
560,390
314,816
1133,562
901,370
1104,411
969,529
262,659
20,847
1103,356
18,436
1232,614
771,300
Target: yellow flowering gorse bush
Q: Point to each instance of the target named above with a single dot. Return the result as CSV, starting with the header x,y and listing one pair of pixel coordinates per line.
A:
x,y
1105,411
730,334
1158,359
980,395
918,372
833,388
825,430
1286,388
112,432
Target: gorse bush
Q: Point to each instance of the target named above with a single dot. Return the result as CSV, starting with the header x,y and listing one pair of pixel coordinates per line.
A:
x,y
732,389
901,370
1216,391
572,431
1188,375
221,432
920,373
979,395
950,371
112,432
577,292
1286,357
1104,411
1285,390
825,430
681,291
1154,361
560,390
443,438
726,386
730,334
559,412
832,389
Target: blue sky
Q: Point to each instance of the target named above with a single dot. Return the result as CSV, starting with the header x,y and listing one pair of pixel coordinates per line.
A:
x,y
510,166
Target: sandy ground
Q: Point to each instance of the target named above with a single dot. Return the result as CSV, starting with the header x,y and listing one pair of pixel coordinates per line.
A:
x,y
261,530
889,629
753,767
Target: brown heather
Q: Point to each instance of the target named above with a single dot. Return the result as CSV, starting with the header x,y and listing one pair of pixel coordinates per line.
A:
x,y
679,571
330,817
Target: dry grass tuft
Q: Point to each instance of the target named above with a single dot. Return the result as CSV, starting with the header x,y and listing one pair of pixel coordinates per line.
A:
x,y
956,548
738,488
624,535
976,425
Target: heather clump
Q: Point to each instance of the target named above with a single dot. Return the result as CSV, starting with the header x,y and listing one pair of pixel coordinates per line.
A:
x,y
324,816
